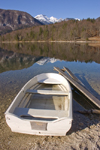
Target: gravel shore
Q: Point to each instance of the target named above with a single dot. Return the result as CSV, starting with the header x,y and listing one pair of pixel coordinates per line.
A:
x,y
84,134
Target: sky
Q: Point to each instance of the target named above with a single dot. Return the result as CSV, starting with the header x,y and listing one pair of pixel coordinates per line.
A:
x,y
81,9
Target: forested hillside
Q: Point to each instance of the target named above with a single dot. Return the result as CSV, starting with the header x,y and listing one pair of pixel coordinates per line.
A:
x,y
11,20
66,30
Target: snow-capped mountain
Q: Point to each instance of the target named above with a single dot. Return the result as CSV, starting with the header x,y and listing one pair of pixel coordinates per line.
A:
x,y
44,19
53,19
71,19
77,19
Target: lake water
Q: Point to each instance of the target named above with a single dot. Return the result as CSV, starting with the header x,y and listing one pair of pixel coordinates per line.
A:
x,y
21,62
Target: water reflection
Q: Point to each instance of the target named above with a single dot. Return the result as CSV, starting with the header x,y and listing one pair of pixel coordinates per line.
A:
x,y
63,51
10,60
46,60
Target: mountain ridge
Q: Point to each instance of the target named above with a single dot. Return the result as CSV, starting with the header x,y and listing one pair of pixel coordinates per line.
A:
x,y
13,19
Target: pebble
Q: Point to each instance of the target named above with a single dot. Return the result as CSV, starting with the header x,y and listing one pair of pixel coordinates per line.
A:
x,y
81,124
9,142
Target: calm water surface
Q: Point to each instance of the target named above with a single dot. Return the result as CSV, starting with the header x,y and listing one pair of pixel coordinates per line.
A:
x,y
17,68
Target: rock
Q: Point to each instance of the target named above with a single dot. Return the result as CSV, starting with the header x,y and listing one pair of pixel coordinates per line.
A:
x,y
81,124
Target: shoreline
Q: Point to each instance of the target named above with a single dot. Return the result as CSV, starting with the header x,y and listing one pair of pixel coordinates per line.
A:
x,y
94,42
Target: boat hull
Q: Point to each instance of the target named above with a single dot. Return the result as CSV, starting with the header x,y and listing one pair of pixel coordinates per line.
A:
x,y
44,116
58,128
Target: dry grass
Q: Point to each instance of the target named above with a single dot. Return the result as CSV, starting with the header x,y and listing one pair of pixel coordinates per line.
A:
x,y
95,38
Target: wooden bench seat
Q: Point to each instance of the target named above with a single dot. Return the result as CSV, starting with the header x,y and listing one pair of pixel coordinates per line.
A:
x,y
47,92
40,113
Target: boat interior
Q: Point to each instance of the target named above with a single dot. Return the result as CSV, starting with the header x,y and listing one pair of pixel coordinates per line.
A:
x,y
44,102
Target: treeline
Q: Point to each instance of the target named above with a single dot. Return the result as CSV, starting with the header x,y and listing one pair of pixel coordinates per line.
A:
x,y
66,30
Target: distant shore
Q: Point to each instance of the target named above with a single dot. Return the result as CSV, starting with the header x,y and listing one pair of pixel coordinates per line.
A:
x,y
96,42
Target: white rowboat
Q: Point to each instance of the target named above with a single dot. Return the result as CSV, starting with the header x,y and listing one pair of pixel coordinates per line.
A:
x,y
42,107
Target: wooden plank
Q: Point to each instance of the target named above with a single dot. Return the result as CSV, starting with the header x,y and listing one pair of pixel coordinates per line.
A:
x,y
72,75
91,111
82,89
47,92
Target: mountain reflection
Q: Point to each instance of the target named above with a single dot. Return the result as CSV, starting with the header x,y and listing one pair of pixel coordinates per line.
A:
x,y
46,60
15,61
62,51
